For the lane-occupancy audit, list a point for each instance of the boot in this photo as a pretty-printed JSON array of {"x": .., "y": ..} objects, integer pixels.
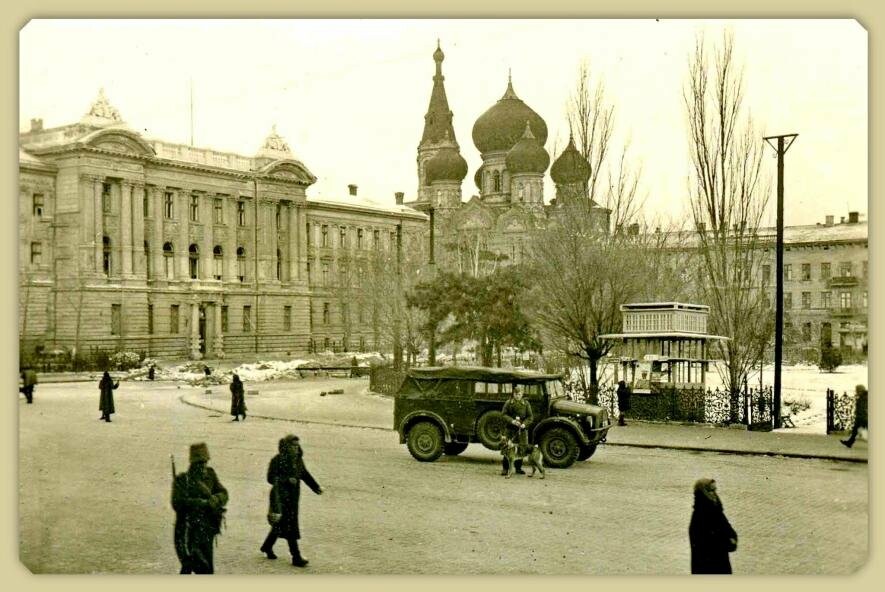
[
  {"x": 847, "y": 443},
  {"x": 297, "y": 559},
  {"x": 518, "y": 465}
]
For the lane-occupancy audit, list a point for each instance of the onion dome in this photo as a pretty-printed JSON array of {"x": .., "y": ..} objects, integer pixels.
[
  {"x": 446, "y": 165},
  {"x": 502, "y": 125},
  {"x": 477, "y": 178},
  {"x": 571, "y": 166},
  {"x": 528, "y": 156}
]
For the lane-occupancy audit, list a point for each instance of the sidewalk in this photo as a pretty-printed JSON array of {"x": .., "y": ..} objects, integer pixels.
[{"x": 357, "y": 407}]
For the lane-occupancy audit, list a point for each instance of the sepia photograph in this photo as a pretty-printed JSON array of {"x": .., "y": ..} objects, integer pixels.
[{"x": 443, "y": 296}]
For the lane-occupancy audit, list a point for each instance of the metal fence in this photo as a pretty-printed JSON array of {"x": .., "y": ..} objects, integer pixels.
[{"x": 840, "y": 411}]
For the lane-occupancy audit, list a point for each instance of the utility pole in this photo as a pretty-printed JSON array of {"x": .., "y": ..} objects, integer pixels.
[
  {"x": 781, "y": 148},
  {"x": 397, "y": 336}
]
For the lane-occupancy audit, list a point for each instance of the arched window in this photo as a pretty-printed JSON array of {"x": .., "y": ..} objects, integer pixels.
[
  {"x": 193, "y": 256},
  {"x": 106, "y": 255},
  {"x": 241, "y": 264},
  {"x": 147, "y": 259},
  {"x": 217, "y": 261},
  {"x": 497, "y": 182},
  {"x": 279, "y": 264},
  {"x": 168, "y": 261}
]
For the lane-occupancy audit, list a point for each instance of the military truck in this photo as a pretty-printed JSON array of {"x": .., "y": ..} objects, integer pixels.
[{"x": 440, "y": 410}]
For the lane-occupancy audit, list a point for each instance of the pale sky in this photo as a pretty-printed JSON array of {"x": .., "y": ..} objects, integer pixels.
[{"x": 350, "y": 96}]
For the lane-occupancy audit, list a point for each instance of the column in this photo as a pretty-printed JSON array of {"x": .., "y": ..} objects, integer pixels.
[
  {"x": 207, "y": 244},
  {"x": 139, "y": 192},
  {"x": 86, "y": 260},
  {"x": 230, "y": 246},
  {"x": 219, "y": 336},
  {"x": 195, "y": 331},
  {"x": 98, "y": 223},
  {"x": 126, "y": 227},
  {"x": 158, "y": 196},
  {"x": 293, "y": 235},
  {"x": 181, "y": 249},
  {"x": 264, "y": 246}
]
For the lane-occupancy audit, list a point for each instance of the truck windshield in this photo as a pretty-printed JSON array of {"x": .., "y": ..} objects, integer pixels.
[{"x": 554, "y": 389}]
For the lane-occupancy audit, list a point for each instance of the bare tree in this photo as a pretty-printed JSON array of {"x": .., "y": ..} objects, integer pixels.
[{"x": 728, "y": 196}]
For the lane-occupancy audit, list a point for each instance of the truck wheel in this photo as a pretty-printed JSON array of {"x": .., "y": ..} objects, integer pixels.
[
  {"x": 587, "y": 452},
  {"x": 489, "y": 429},
  {"x": 425, "y": 441},
  {"x": 454, "y": 448},
  {"x": 559, "y": 447}
]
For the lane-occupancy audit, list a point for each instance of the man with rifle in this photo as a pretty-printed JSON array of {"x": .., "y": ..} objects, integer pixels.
[{"x": 198, "y": 498}]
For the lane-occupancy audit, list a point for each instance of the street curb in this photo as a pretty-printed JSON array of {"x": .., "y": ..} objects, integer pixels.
[
  {"x": 634, "y": 445},
  {"x": 744, "y": 452}
]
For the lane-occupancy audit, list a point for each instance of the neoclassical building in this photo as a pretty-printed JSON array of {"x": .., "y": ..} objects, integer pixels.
[
  {"x": 137, "y": 244},
  {"x": 510, "y": 138}
]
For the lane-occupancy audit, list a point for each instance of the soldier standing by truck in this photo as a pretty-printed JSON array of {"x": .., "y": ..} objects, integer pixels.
[{"x": 518, "y": 415}]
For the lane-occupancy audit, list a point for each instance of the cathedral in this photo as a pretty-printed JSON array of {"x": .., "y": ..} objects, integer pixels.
[{"x": 493, "y": 224}]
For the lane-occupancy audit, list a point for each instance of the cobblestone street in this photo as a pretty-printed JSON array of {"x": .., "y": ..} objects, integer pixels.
[{"x": 625, "y": 511}]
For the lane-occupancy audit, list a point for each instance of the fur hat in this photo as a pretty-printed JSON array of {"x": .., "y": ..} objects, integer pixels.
[{"x": 199, "y": 452}]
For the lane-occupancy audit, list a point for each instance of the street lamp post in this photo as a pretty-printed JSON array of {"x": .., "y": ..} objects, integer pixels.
[{"x": 781, "y": 148}]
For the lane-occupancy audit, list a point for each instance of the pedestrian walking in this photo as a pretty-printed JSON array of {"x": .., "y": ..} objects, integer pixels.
[
  {"x": 711, "y": 536},
  {"x": 518, "y": 415},
  {"x": 106, "y": 401},
  {"x": 237, "y": 399},
  {"x": 285, "y": 474},
  {"x": 860, "y": 414},
  {"x": 199, "y": 501},
  {"x": 623, "y": 402},
  {"x": 29, "y": 383},
  {"x": 151, "y": 372}
]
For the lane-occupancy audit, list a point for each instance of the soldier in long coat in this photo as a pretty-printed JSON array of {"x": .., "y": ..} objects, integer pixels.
[
  {"x": 198, "y": 498},
  {"x": 285, "y": 473},
  {"x": 237, "y": 399},
  {"x": 518, "y": 416},
  {"x": 106, "y": 401},
  {"x": 710, "y": 535}
]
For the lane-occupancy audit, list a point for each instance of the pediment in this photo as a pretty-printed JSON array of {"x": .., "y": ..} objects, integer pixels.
[
  {"x": 290, "y": 171},
  {"x": 119, "y": 140}
]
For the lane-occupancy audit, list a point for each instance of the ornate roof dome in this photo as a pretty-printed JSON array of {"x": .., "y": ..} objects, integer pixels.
[
  {"x": 502, "y": 125},
  {"x": 571, "y": 166},
  {"x": 446, "y": 165},
  {"x": 528, "y": 156},
  {"x": 477, "y": 178}
]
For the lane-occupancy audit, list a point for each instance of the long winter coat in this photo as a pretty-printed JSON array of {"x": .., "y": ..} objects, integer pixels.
[
  {"x": 710, "y": 536},
  {"x": 198, "y": 498},
  {"x": 860, "y": 409},
  {"x": 284, "y": 495},
  {"x": 106, "y": 401},
  {"x": 237, "y": 398},
  {"x": 623, "y": 398},
  {"x": 523, "y": 410}
]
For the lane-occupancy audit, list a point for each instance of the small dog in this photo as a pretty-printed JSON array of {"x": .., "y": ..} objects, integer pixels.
[{"x": 510, "y": 451}]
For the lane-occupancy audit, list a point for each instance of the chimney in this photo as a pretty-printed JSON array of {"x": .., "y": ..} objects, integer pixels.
[
  {"x": 352, "y": 189},
  {"x": 853, "y": 217},
  {"x": 399, "y": 197},
  {"x": 829, "y": 220},
  {"x": 36, "y": 125}
]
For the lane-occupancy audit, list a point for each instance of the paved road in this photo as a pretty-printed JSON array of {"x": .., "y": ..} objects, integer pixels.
[{"x": 94, "y": 497}]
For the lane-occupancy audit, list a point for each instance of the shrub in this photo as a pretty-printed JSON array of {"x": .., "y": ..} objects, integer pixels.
[
  {"x": 797, "y": 406},
  {"x": 125, "y": 360},
  {"x": 830, "y": 359}
]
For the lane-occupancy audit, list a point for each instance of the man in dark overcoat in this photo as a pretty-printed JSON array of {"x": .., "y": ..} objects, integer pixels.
[
  {"x": 518, "y": 416},
  {"x": 237, "y": 399},
  {"x": 860, "y": 414},
  {"x": 29, "y": 382},
  {"x": 198, "y": 498},
  {"x": 285, "y": 473},
  {"x": 106, "y": 401},
  {"x": 709, "y": 533},
  {"x": 623, "y": 393}
]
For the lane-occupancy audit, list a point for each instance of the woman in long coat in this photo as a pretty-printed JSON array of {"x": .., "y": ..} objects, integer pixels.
[
  {"x": 106, "y": 401},
  {"x": 711, "y": 536},
  {"x": 237, "y": 399},
  {"x": 286, "y": 472}
]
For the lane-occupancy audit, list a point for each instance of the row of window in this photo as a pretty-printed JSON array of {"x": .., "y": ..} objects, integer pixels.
[
  {"x": 174, "y": 319},
  {"x": 826, "y": 300},
  {"x": 325, "y": 237},
  {"x": 846, "y": 269},
  {"x": 345, "y": 313}
]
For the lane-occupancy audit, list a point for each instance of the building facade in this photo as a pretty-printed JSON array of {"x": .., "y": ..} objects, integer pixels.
[{"x": 129, "y": 243}]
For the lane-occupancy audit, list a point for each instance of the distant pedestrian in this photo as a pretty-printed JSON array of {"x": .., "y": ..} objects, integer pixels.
[
  {"x": 237, "y": 399},
  {"x": 29, "y": 383},
  {"x": 106, "y": 401},
  {"x": 860, "y": 414},
  {"x": 207, "y": 371},
  {"x": 285, "y": 473},
  {"x": 199, "y": 500},
  {"x": 711, "y": 536},
  {"x": 151, "y": 372},
  {"x": 623, "y": 402}
]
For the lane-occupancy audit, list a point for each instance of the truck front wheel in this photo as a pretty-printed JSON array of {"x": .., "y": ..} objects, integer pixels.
[
  {"x": 425, "y": 441},
  {"x": 559, "y": 447}
]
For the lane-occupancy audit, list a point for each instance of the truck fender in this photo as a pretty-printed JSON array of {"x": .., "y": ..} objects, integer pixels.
[
  {"x": 570, "y": 424},
  {"x": 418, "y": 415}
]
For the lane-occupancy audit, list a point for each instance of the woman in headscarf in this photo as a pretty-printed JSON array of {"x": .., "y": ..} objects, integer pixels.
[
  {"x": 711, "y": 536},
  {"x": 285, "y": 473},
  {"x": 106, "y": 401},
  {"x": 237, "y": 399}
]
